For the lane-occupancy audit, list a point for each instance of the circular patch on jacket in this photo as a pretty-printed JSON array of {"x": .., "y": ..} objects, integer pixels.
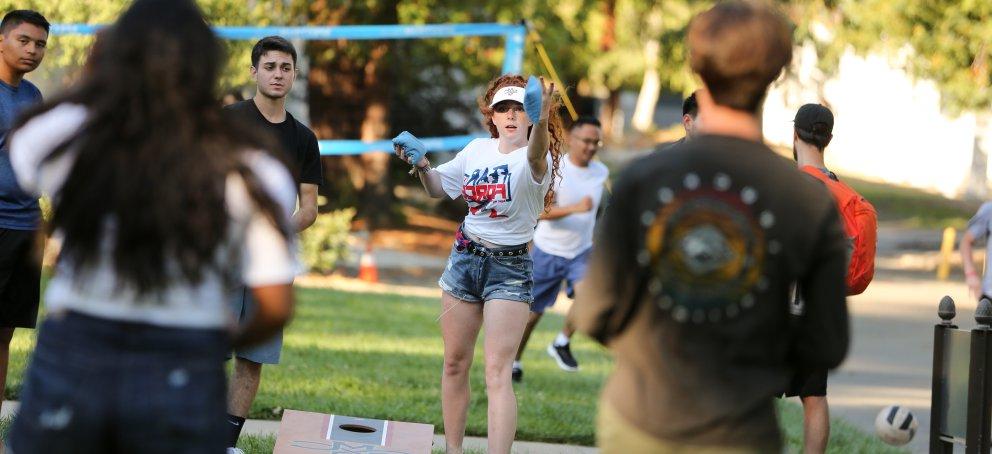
[{"x": 705, "y": 248}]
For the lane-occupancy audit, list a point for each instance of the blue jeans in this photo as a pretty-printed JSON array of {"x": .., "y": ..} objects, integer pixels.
[{"x": 102, "y": 386}]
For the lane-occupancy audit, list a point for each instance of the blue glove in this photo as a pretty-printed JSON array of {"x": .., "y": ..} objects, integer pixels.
[
  {"x": 413, "y": 148},
  {"x": 532, "y": 99}
]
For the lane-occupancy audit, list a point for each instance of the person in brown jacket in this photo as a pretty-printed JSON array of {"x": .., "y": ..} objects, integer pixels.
[{"x": 689, "y": 282}]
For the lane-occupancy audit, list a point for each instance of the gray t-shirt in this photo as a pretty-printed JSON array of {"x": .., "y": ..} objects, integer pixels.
[{"x": 979, "y": 227}]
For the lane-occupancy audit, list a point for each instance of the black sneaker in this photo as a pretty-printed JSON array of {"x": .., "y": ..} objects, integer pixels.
[
  {"x": 518, "y": 374},
  {"x": 563, "y": 356}
]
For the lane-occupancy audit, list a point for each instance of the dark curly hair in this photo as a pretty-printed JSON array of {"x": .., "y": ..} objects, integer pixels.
[
  {"x": 155, "y": 151},
  {"x": 555, "y": 126}
]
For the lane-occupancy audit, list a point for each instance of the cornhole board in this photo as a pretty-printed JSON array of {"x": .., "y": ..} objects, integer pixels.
[{"x": 304, "y": 432}]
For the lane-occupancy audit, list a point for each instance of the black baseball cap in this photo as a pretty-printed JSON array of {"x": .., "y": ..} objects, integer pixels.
[{"x": 814, "y": 124}]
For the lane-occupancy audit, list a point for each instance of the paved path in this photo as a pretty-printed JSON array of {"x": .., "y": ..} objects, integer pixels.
[
  {"x": 891, "y": 356},
  {"x": 892, "y": 332}
]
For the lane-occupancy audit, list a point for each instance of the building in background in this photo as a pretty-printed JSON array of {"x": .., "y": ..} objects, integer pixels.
[{"x": 884, "y": 116}]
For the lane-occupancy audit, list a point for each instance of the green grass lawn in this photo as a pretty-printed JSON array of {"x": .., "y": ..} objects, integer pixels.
[{"x": 379, "y": 356}]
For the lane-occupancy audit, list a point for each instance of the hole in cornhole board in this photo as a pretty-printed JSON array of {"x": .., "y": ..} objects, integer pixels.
[{"x": 357, "y": 428}]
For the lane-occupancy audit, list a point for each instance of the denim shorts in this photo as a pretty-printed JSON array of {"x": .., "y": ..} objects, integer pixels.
[
  {"x": 478, "y": 278},
  {"x": 102, "y": 386}
]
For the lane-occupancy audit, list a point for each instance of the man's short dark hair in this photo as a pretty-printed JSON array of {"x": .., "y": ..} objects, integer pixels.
[
  {"x": 269, "y": 43},
  {"x": 818, "y": 136},
  {"x": 585, "y": 120},
  {"x": 690, "y": 107},
  {"x": 19, "y": 16},
  {"x": 738, "y": 48}
]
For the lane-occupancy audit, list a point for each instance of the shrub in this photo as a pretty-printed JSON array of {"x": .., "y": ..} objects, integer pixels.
[{"x": 325, "y": 243}]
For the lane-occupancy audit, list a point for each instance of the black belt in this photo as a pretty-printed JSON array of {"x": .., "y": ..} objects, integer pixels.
[{"x": 484, "y": 252}]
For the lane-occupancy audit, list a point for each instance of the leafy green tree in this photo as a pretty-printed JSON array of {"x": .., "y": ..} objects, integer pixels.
[
  {"x": 66, "y": 54},
  {"x": 951, "y": 40},
  {"x": 373, "y": 89},
  {"x": 944, "y": 41}
]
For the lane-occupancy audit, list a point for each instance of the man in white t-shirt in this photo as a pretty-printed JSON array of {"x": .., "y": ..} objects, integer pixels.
[{"x": 564, "y": 236}]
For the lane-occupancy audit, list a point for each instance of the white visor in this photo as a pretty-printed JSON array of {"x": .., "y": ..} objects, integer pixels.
[{"x": 511, "y": 93}]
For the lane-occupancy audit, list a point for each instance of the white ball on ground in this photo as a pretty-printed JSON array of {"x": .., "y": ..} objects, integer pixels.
[{"x": 896, "y": 425}]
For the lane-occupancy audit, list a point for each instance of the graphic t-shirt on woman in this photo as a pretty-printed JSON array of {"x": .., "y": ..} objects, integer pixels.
[{"x": 504, "y": 199}]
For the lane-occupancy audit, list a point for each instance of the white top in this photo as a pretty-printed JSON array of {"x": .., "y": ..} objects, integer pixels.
[
  {"x": 504, "y": 200},
  {"x": 253, "y": 245},
  {"x": 571, "y": 235}
]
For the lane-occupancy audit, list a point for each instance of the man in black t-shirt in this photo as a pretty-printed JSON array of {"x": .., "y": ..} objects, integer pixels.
[{"x": 273, "y": 61}]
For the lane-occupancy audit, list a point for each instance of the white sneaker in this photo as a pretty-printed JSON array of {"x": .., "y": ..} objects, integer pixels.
[{"x": 235, "y": 451}]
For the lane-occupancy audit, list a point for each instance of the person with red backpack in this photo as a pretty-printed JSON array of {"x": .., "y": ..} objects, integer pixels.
[{"x": 813, "y": 130}]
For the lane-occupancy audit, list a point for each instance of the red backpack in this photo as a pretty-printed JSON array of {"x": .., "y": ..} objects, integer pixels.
[{"x": 861, "y": 227}]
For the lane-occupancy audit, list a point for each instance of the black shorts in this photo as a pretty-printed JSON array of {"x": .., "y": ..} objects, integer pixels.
[
  {"x": 806, "y": 383},
  {"x": 20, "y": 279}
]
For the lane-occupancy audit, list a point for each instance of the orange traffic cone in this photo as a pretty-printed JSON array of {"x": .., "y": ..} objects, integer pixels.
[{"x": 367, "y": 270}]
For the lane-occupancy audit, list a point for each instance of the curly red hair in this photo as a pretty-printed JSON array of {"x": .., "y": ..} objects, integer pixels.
[{"x": 555, "y": 126}]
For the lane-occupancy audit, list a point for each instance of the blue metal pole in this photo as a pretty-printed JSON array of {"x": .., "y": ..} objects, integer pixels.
[{"x": 514, "y": 57}]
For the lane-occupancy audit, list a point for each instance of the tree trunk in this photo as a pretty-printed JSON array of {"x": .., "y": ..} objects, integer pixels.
[
  {"x": 608, "y": 116},
  {"x": 609, "y": 39},
  {"x": 606, "y": 44},
  {"x": 349, "y": 99},
  {"x": 647, "y": 98},
  {"x": 376, "y": 195}
]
